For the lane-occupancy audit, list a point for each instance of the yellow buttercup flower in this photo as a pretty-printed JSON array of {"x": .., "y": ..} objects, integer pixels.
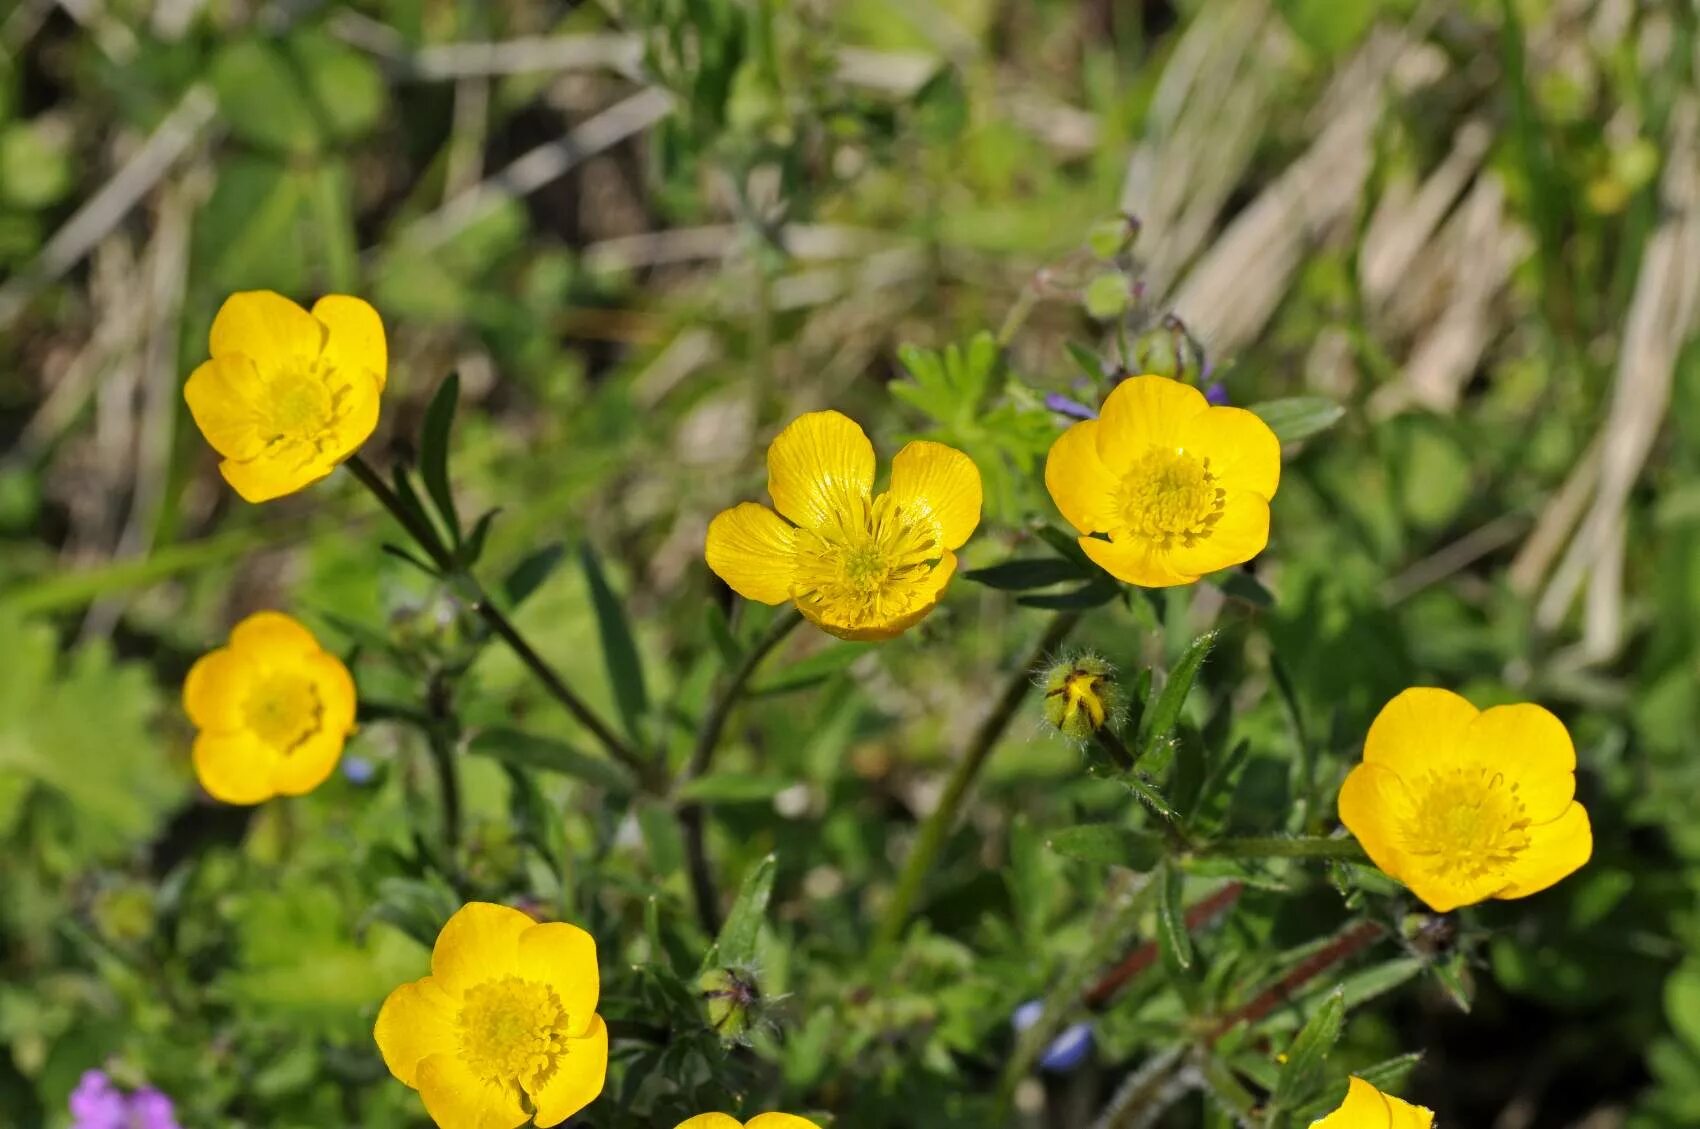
[
  {"x": 761, "y": 1121},
  {"x": 858, "y": 566},
  {"x": 273, "y": 709},
  {"x": 504, "y": 1031},
  {"x": 1366, "y": 1107},
  {"x": 288, "y": 395},
  {"x": 1462, "y": 804},
  {"x": 1179, "y": 487}
]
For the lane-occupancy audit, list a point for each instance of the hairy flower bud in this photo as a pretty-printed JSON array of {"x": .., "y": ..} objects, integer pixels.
[
  {"x": 1081, "y": 696},
  {"x": 733, "y": 1001}
]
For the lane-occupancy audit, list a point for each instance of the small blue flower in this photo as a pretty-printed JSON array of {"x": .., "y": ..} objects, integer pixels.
[
  {"x": 358, "y": 769},
  {"x": 1216, "y": 393},
  {"x": 1062, "y": 405},
  {"x": 1065, "y": 1052}
]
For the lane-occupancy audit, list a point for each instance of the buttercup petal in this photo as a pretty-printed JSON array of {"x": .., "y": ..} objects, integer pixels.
[
  {"x": 1079, "y": 483},
  {"x": 266, "y": 327},
  {"x": 359, "y": 420},
  {"x": 930, "y": 594},
  {"x": 710, "y": 1121},
  {"x": 480, "y": 942},
  {"x": 1421, "y": 728},
  {"x": 416, "y": 1021},
  {"x": 1445, "y": 891},
  {"x": 1136, "y": 561},
  {"x": 819, "y": 460},
  {"x": 1366, "y": 1107},
  {"x": 1243, "y": 452},
  {"x": 779, "y": 1121},
  {"x": 235, "y": 768},
  {"x": 941, "y": 482},
  {"x": 1144, "y": 412},
  {"x": 309, "y": 764},
  {"x": 1557, "y": 849},
  {"x": 1372, "y": 803},
  {"x": 1240, "y": 533},
  {"x": 577, "y": 1080},
  {"x": 214, "y": 690},
  {"x": 1532, "y": 748},
  {"x": 274, "y": 636},
  {"x": 563, "y": 956},
  {"x": 751, "y": 548},
  {"x": 264, "y": 479},
  {"x": 335, "y": 687},
  {"x": 220, "y": 394},
  {"x": 354, "y": 336},
  {"x": 456, "y": 1098}
]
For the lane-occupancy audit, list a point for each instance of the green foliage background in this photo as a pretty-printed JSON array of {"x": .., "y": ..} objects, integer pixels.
[{"x": 645, "y": 234}]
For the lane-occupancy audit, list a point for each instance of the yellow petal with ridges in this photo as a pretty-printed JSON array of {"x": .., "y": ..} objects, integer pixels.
[
  {"x": 815, "y": 464},
  {"x": 1136, "y": 561},
  {"x": 456, "y": 1098},
  {"x": 1373, "y": 803},
  {"x": 354, "y": 336},
  {"x": 928, "y": 594},
  {"x": 1556, "y": 849},
  {"x": 1243, "y": 452},
  {"x": 941, "y": 483},
  {"x": 214, "y": 690},
  {"x": 1532, "y": 748},
  {"x": 1421, "y": 728},
  {"x": 578, "y": 1078},
  {"x": 221, "y": 393},
  {"x": 335, "y": 688},
  {"x": 266, "y": 327},
  {"x": 1366, "y": 1107},
  {"x": 1079, "y": 483},
  {"x": 480, "y": 942},
  {"x": 751, "y": 548},
  {"x": 563, "y": 956},
  {"x": 416, "y": 1022},
  {"x": 265, "y": 479},
  {"x": 1144, "y": 412},
  {"x": 1239, "y": 533},
  {"x": 308, "y": 764},
  {"x": 360, "y": 394},
  {"x": 779, "y": 1121},
  {"x": 273, "y": 635},
  {"x": 235, "y": 768}
]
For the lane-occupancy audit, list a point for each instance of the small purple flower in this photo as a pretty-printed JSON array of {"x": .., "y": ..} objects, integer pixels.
[
  {"x": 1065, "y": 1052},
  {"x": 1062, "y": 405},
  {"x": 358, "y": 769},
  {"x": 1216, "y": 393},
  {"x": 97, "y": 1104}
]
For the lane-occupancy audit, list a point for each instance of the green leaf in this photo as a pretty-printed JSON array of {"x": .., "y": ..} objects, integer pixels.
[
  {"x": 1089, "y": 363},
  {"x": 1173, "y": 939},
  {"x": 434, "y": 452},
  {"x": 720, "y": 634},
  {"x": 815, "y": 669},
  {"x": 1067, "y": 545},
  {"x": 1108, "y": 843},
  {"x": 1160, "y": 721},
  {"x": 529, "y": 574},
  {"x": 1453, "y": 975},
  {"x": 1303, "y": 1068},
  {"x": 417, "y": 907},
  {"x": 513, "y": 746},
  {"x": 260, "y": 95},
  {"x": 732, "y": 788},
  {"x": 1021, "y": 575},
  {"x": 1093, "y": 594},
  {"x": 1149, "y": 795},
  {"x": 619, "y": 649},
  {"x": 736, "y": 946},
  {"x": 409, "y": 499},
  {"x": 472, "y": 549},
  {"x": 1298, "y": 417},
  {"x": 347, "y": 88}
]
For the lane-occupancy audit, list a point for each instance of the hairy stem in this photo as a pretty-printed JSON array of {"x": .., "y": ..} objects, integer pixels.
[
  {"x": 943, "y": 817},
  {"x": 427, "y": 539},
  {"x": 692, "y": 818}
]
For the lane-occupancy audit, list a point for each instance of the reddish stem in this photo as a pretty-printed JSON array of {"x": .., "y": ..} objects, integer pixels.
[
  {"x": 1344, "y": 946},
  {"x": 1197, "y": 916}
]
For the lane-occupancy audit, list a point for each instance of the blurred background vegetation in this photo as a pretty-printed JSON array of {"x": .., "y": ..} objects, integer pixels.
[{"x": 647, "y": 232}]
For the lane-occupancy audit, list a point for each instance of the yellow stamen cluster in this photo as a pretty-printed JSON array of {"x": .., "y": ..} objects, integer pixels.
[{"x": 513, "y": 1032}]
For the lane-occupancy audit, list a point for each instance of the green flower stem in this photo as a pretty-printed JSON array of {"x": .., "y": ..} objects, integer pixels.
[
  {"x": 1281, "y": 846},
  {"x": 691, "y": 815},
  {"x": 499, "y": 623},
  {"x": 943, "y": 817}
]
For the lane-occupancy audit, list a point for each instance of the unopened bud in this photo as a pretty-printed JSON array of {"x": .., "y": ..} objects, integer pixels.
[
  {"x": 1081, "y": 696},
  {"x": 1108, "y": 296},
  {"x": 732, "y": 1001},
  {"x": 1112, "y": 237},
  {"x": 1167, "y": 349}
]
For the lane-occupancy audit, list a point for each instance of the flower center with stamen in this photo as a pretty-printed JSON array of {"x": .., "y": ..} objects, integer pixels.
[
  {"x": 1170, "y": 497},
  {"x": 1468, "y": 823},
  {"x": 513, "y": 1032},
  {"x": 869, "y": 563},
  {"x": 282, "y": 709},
  {"x": 301, "y": 408}
]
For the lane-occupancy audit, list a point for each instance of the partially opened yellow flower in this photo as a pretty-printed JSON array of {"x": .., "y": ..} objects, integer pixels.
[
  {"x": 288, "y": 394},
  {"x": 761, "y": 1121},
  {"x": 1179, "y": 487},
  {"x": 273, "y": 709},
  {"x": 1462, "y": 804},
  {"x": 504, "y": 1031},
  {"x": 858, "y": 566},
  {"x": 1366, "y": 1107}
]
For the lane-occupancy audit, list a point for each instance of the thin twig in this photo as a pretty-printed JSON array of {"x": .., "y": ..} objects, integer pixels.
[
  {"x": 943, "y": 817},
  {"x": 691, "y": 815}
]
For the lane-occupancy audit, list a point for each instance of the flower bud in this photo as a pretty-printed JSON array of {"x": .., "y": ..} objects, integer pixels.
[
  {"x": 1167, "y": 349},
  {"x": 732, "y": 1000},
  {"x": 1112, "y": 237},
  {"x": 1081, "y": 696}
]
